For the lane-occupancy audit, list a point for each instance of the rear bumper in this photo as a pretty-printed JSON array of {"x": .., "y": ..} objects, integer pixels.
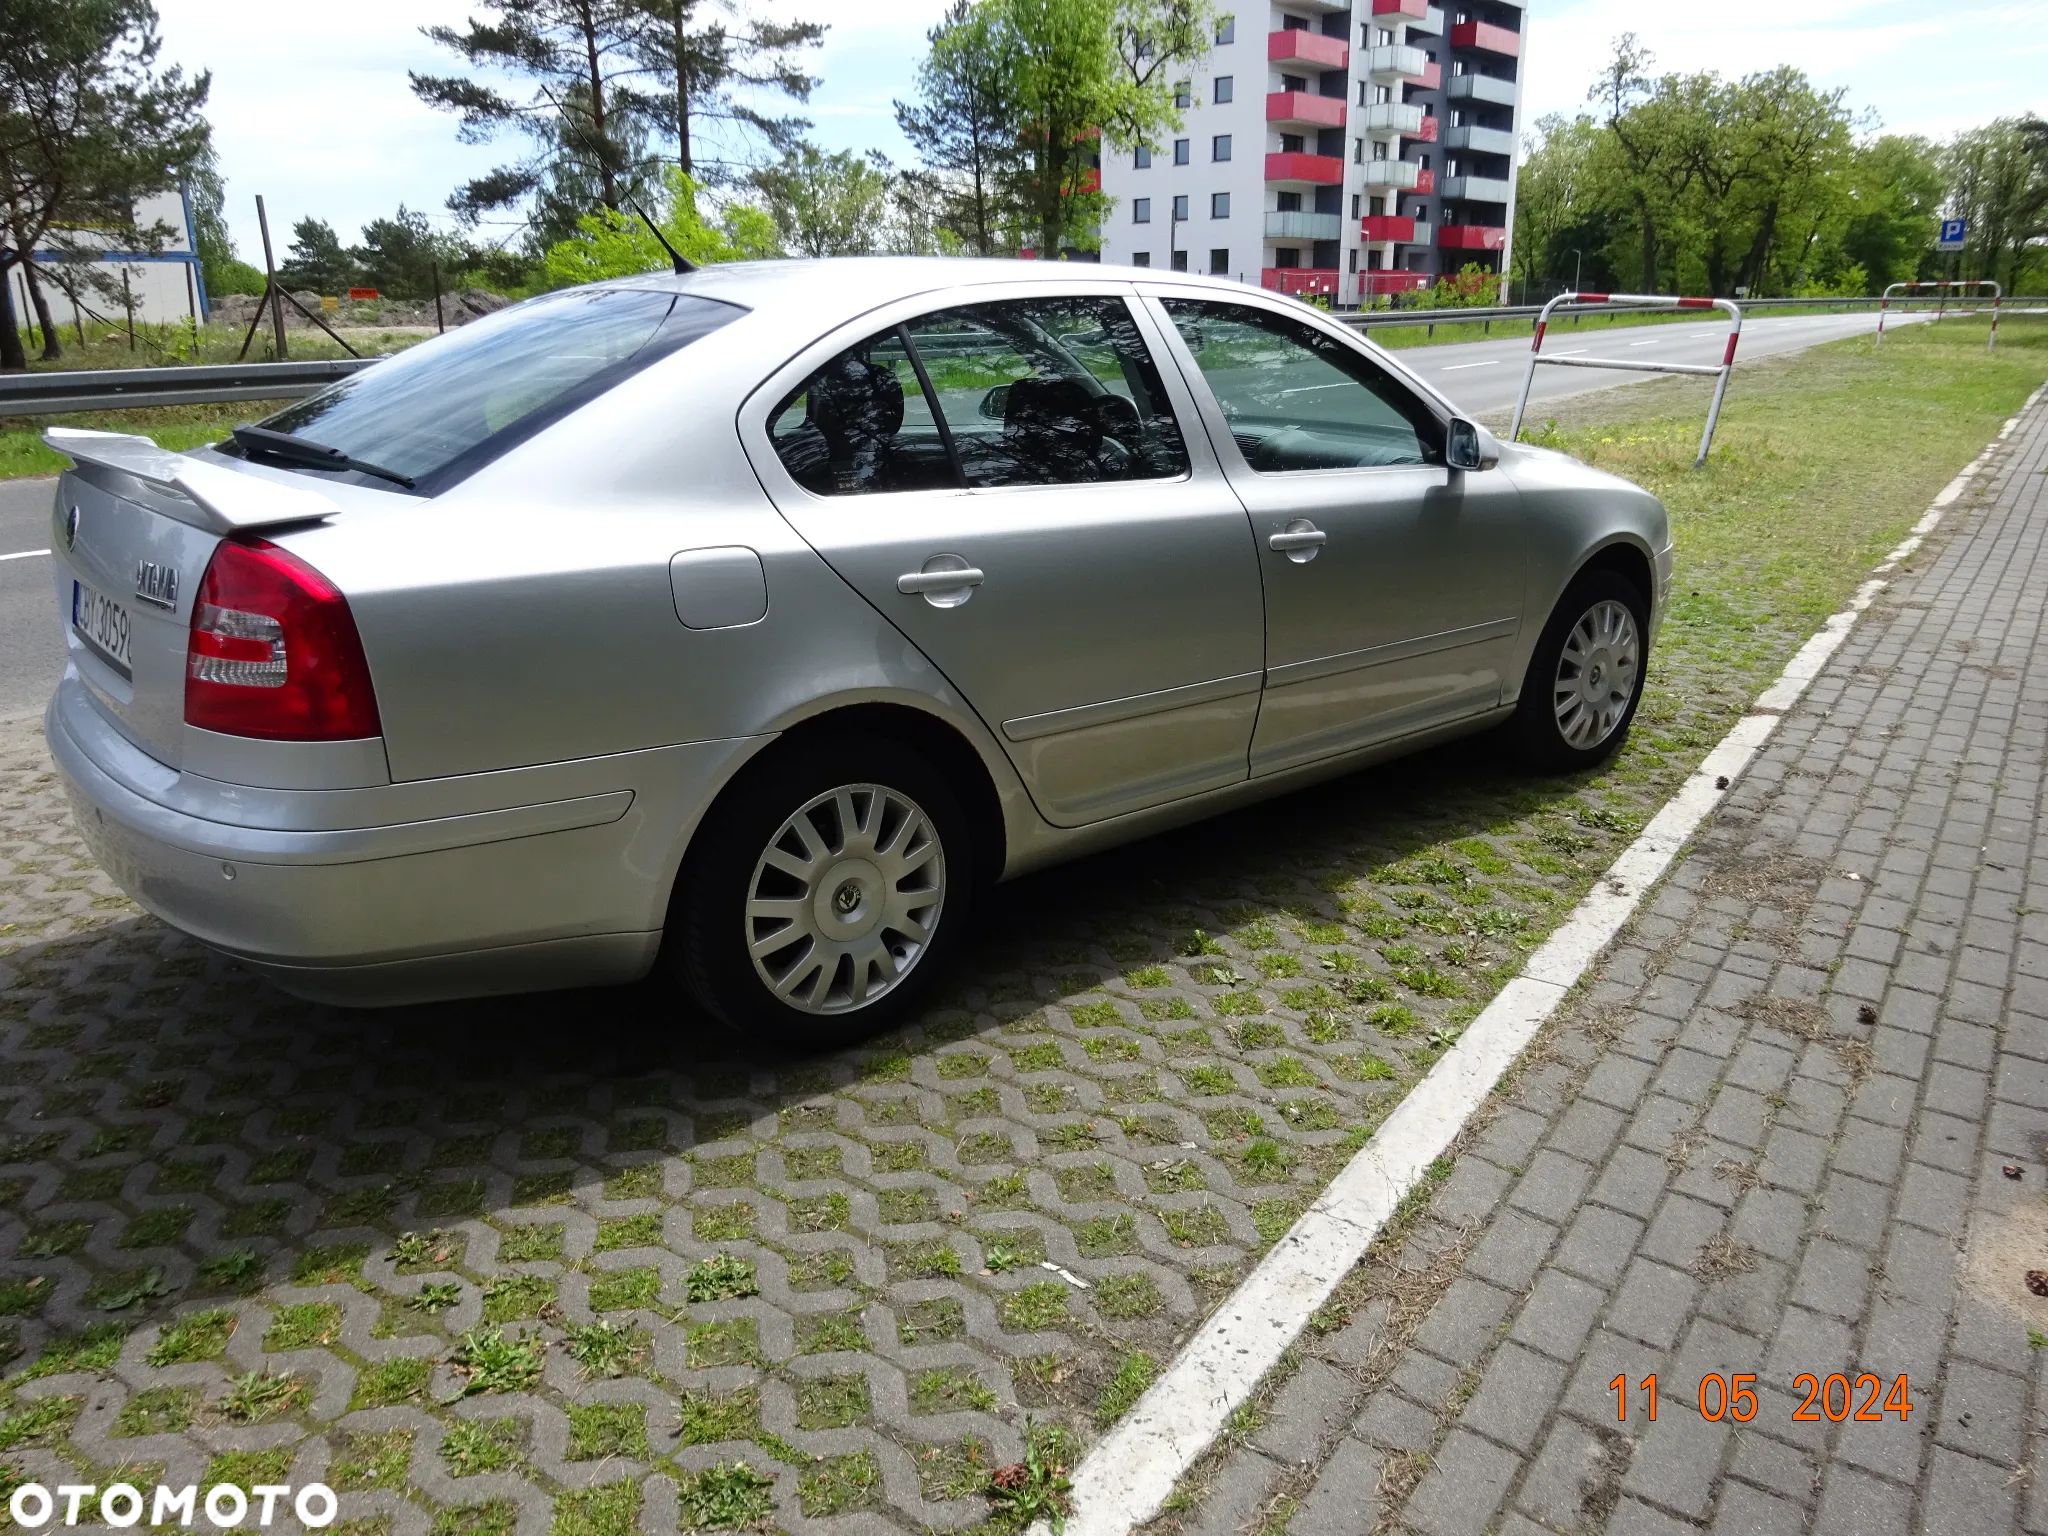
[{"x": 530, "y": 879}]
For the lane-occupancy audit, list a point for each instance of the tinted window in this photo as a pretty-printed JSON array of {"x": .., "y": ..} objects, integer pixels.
[
  {"x": 1298, "y": 399},
  {"x": 449, "y": 406},
  {"x": 1033, "y": 392}
]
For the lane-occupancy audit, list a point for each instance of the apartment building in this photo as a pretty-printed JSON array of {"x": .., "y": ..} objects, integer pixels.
[{"x": 1348, "y": 148}]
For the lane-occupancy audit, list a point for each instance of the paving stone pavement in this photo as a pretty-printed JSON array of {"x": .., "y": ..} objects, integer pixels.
[{"x": 1769, "y": 1139}]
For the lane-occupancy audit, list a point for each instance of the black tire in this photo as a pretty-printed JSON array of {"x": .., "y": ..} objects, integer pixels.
[
  {"x": 709, "y": 927},
  {"x": 1539, "y": 739}
]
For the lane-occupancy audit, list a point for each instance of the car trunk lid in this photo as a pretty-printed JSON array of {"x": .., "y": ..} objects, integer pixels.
[{"x": 134, "y": 528}]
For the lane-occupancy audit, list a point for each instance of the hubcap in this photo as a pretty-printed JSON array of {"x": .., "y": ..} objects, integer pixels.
[
  {"x": 1596, "y": 674},
  {"x": 845, "y": 899}
]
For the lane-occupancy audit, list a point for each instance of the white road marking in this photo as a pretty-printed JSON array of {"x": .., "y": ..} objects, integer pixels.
[
  {"x": 1454, "y": 367},
  {"x": 1575, "y": 352},
  {"x": 25, "y": 554},
  {"x": 1132, "y": 1470},
  {"x": 1652, "y": 341}
]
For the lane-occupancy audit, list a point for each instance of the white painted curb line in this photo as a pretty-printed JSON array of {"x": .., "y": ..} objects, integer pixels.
[{"x": 1132, "y": 1470}]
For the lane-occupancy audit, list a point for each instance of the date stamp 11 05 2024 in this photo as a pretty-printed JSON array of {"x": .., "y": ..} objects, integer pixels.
[{"x": 1833, "y": 1398}]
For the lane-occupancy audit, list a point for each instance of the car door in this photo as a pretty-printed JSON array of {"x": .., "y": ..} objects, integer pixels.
[
  {"x": 1017, "y": 485},
  {"x": 1393, "y": 583}
]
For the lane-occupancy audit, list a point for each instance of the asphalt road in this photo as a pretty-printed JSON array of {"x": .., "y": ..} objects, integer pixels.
[{"x": 1482, "y": 377}]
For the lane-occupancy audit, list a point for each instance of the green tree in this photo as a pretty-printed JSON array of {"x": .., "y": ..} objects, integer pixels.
[
  {"x": 316, "y": 259},
  {"x": 825, "y": 204},
  {"x": 964, "y": 127},
  {"x": 1087, "y": 67},
  {"x": 89, "y": 123},
  {"x": 610, "y": 244},
  {"x": 1563, "y": 205},
  {"x": 570, "y": 184},
  {"x": 1895, "y": 189},
  {"x": 397, "y": 255},
  {"x": 1998, "y": 180},
  {"x": 707, "y": 65},
  {"x": 223, "y": 271},
  {"x": 550, "y": 48}
]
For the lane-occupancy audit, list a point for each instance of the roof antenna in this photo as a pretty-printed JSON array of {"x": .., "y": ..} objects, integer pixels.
[{"x": 682, "y": 263}]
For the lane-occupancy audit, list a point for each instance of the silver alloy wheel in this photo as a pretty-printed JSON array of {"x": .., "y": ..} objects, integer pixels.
[
  {"x": 845, "y": 899},
  {"x": 1596, "y": 674}
]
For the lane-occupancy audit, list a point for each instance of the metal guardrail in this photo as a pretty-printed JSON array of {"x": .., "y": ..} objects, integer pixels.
[
  {"x": 106, "y": 389},
  {"x": 109, "y": 389},
  {"x": 1368, "y": 319}
]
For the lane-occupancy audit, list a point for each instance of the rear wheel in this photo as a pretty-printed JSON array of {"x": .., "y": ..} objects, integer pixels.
[
  {"x": 826, "y": 893},
  {"x": 1586, "y": 676}
]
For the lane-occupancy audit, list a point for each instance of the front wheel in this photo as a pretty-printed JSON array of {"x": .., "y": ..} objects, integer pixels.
[
  {"x": 1586, "y": 676},
  {"x": 826, "y": 893}
]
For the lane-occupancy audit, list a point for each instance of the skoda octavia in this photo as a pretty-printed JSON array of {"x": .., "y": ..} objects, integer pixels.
[{"x": 744, "y": 624}]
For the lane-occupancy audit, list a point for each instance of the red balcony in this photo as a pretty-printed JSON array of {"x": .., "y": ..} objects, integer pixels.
[
  {"x": 1387, "y": 226},
  {"x": 1472, "y": 237},
  {"x": 1305, "y": 108},
  {"x": 1314, "y": 170},
  {"x": 1387, "y": 12},
  {"x": 1425, "y": 182},
  {"x": 1391, "y": 282},
  {"x": 1298, "y": 45},
  {"x": 1302, "y": 282},
  {"x": 1431, "y": 77},
  {"x": 1484, "y": 34},
  {"x": 1426, "y": 134},
  {"x": 1089, "y": 180}
]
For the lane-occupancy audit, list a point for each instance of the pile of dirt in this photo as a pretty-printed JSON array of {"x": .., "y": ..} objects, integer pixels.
[{"x": 457, "y": 308}]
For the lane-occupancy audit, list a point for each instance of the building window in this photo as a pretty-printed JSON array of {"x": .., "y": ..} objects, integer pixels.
[
  {"x": 1290, "y": 143},
  {"x": 1354, "y": 258},
  {"x": 1293, "y": 23},
  {"x": 1226, "y": 89},
  {"x": 1354, "y": 205},
  {"x": 1181, "y": 96},
  {"x": 1286, "y": 256},
  {"x": 1141, "y": 210},
  {"x": 1141, "y": 158},
  {"x": 1180, "y": 208},
  {"x": 1219, "y": 261},
  {"x": 1293, "y": 83},
  {"x": 1226, "y": 30},
  {"x": 1358, "y": 151},
  {"x": 1386, "y": 37},
  {"x": 1180, "y": 261},
  {"x": 1361, "y": 93},
  {"x": 1379, "y": 149},
  {"x": 1382, "y": 94},
  {"x": 1290, "y": 202},
  {"x": 1142, "y": 259},
  {"x": 1180, "y": 151},
  {"x": 1219, "y": 205},
  {"x": 1219, "y": 147}
]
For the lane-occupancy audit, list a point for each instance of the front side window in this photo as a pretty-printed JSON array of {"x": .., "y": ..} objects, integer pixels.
[
  {"x": 1141, "y": 210},
  {"x": 1180, "y": 151},
  {"x": 448, "y": 407},
  {"x": 1028, "y": 392},
  {"x": 1219, "y": 205},
  {"x": 1180, "y": 207},
  {"x": 1141, "y": 158},
  {"x": 1226, "y": 89},
  {"x": 1226, "y": 30},
  {"x": 1220, "y": 148},
  {"x": 1297, "y": 399}
]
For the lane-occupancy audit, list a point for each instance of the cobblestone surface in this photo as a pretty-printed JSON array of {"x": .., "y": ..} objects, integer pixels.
[
  {"x": 548, "y": 1261},
  {"x": 1795, "y": 1124}
]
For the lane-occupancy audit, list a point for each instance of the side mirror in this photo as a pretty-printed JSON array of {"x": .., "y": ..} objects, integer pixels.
[
  {"x": 1470, "y": 446},
  {"x": 995, "y": 405}
]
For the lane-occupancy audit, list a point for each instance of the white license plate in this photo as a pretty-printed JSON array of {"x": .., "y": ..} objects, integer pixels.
[{"x": 102, "y": 624}]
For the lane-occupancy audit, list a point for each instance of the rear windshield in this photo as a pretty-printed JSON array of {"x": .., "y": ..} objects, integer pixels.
[{"x": 449, "y": 406}]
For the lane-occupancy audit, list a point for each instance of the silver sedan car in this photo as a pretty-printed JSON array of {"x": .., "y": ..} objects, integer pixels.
[{"x": 745, "y": 624}]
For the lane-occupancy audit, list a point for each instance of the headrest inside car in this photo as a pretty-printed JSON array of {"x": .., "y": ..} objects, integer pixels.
[
  {"x": 852, "y": 398},
  {"x": 1050, "y": 405}
]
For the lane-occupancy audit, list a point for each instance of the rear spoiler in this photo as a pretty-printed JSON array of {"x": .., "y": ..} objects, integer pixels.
[{"x": 219, "y": 499}]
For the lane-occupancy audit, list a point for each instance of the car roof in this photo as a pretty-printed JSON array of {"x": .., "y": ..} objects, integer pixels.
[{"x": 848, "y": 285}]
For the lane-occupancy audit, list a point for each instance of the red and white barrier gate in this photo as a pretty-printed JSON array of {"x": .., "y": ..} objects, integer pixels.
[
  {"x": 1997, "y": 293},
  {"x": 1629, "y": 365}
]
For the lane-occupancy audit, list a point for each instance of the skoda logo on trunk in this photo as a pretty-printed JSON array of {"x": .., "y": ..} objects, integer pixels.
[{"x": 71, "y": 526}]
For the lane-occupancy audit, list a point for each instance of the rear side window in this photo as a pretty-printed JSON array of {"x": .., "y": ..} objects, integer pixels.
[
  {"x": 1056, "y": 391},
  {"x": 450, "y": 406}
]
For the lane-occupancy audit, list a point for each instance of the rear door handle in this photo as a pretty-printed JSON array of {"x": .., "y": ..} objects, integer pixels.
[
  {"x": 1299, "y": 541},
  {"x": 938, "y": 581}
]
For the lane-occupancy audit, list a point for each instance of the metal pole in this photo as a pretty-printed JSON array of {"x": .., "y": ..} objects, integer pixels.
[
  {"x": 439, "y": 326},
  {"x": 1535, "y": 346},
  {"x": 1996, "y": 294},
  {"x": 1720, "y": 390},
  {"x": 128, "y": 303},
  {"x": 270, "y": 276}
]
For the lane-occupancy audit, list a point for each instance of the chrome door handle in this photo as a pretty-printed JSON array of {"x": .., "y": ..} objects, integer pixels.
[
  {"x": 1299, "y": 541},
  {"x": 938, "y": 581}
]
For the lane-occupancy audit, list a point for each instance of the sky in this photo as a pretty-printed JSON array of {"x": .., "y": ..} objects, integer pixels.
[{"x": 311, "y": 108}]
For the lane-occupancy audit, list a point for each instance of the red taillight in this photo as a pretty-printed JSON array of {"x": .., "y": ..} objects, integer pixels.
[{"x": 274, "y": 651}]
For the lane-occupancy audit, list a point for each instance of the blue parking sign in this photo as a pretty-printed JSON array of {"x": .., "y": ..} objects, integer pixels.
[{"x": 1952, "y": 233}]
